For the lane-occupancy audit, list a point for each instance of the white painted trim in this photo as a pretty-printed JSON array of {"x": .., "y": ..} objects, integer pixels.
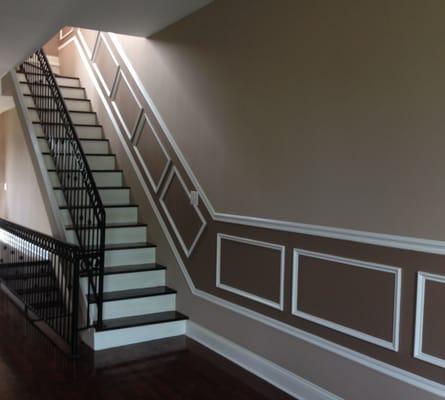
[
  {"x": 283, "y": 379},
  {"x": 389, "y": 370},
  {"x": 243, "y": 293},
  {"x": 130, "y": 131},
  {"x": 422, "y": 278},
  {"x": 155, "y": 185},
  {"x": 387, "y": 240},
  {"x": 187, "y": 250},
  {"x": 64, "y": 35},
  {"x": 89, "y": 52},
  {"x": 102, "y": 40},
  {"x": 397, "y": 272}
]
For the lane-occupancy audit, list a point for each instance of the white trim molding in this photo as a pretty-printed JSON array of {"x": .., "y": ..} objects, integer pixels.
[
  {"x": 283, "y": 379},
  {"x": 251, "y": 242},
  {"x": 386, "y": 369},
  {"x": 145, "y": 120},
  {"x": 187, "y": 250},
  {"x": 378, "y": 239},
  {"x": 64, "y": 35},
  {"x": 129, "y": 130},
  {"x": 422, "y": 278},
  {"x": 397, "y": 272},
  {"x": 90, "y": 52},
  {"x": 99, "y": 41}
]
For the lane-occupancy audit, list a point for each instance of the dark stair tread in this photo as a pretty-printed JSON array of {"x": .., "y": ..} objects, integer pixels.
[
  {"x": 110, "y": 226},
  {"x": 59, "y": 123},
  {"x": 139, "y": 320},
  {"x": 65, "y": 98},
  {"x": 82, "y": 140},
  {"x": 47, "y": 153},
  {"x": 28, "y": 276},
  {"x": 100, "y": 188},
  {"x": 92, "y": 170},
  {"x": 134, "y": 294},
  {"x": 56, "y": 75},
  {"x": 129, "y": 269},
  {"x": 105, "y": 206},
  {"x": 24, "y": 264},
  {"x": 45, "y": 84},
  {"x": 129, "y": 246},
  {"x": 126, "y": 269},
  {"x": 53, "y": 109},
  {"x": 33, "y": 290}
]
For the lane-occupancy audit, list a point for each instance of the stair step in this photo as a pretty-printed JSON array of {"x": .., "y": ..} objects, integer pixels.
[
  {"x": 126, "y": 269},
  {"x": 135, "y": 294},
  {"x": 138, "y": 320},
  {"x": 126, "y": 303},
  {"x": 60, "y": 79},
  {"x": 119, "y": 213},
  {"x": 34, "y": 290},
  {"x": 129, "y": 254},
  {"x": 116, "y": 233},
  {"x": 99, "y": 162},
  {"x": 130, "y": 277},
  {"x": 105, "y": 178},
  {"x": 71, "y": 104},
  {"x": 67, "y": 91},
  {"x": 77, "y": 117},
  {"x": 83, "y": 131},
  {"x": 107, "y": 339},
  {"x": 97, "y": 146},
  {"x": 109, "y": 195}
]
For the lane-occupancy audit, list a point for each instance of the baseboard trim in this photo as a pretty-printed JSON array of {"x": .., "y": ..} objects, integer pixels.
[{"x": 283, "y": 379}]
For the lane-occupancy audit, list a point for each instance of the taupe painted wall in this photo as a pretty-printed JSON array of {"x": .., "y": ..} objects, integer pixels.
[
  {"x": 332, "y": 372},
  {"x": 23, "y": 202},
  {"x": 318, "y": 112},
  {"x": 2, "y": 168}
]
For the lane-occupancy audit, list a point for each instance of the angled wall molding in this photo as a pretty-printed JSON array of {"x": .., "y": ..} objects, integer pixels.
[
  {"x": 422, "y": 278},
  {"x": 379, "y": 239},
  {"x": 63, "y": 35},
  {"x": 145, "y": 122},
  {"x": 122, "y": 82},
  {"x": 187, "y": 249},
  {"x": 397, "y": 272},
  {"x": 250, "y": 242},
  {"x": 386, "y": 369},
  {"x": 103, "y": 45}
]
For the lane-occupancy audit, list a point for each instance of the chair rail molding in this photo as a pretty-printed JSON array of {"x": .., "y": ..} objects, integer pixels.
[{"x": 389, "y": 370}]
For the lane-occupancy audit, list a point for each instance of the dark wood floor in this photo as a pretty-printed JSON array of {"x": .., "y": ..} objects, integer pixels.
[{"x": 32, "y": 368}]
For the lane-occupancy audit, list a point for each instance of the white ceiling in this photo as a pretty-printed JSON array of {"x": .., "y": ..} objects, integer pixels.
[{"x": 26, "y": 25}]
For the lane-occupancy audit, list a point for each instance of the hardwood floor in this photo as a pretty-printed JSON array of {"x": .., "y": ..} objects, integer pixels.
[{"x": 32, "y": 368}]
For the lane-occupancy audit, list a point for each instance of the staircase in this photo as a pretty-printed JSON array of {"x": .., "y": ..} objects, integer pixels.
[{"x": 137, "y": 305}]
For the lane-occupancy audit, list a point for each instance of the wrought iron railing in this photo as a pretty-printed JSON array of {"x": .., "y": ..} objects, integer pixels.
[
  {"x": 76, "y": 180},
  {"x": 43, "y": 273}
]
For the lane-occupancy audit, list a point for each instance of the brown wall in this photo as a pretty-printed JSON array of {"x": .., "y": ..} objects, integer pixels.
[
  {"x": 23, "y": 202},
  {"x": 365, "y": 310},
  {"x": 327, "y": 113}
]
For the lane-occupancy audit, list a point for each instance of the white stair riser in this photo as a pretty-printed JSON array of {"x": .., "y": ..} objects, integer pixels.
[
  {"x": 115, "y": 258},
  {"x": 138, "y": 334},
  {"x": 74, "y": 93},
  {"x": 77, "y": 118},
  {"x": 114, "y": 215},
  {"x": 73, "y": 105},
  {"x": 60, "y": 80},
  {"x": 129, "y": 234},
  {"x": 132, "y": 280},
  {"x": 88, "y": 146},
  {"x": 108, "y": 196},
  {"x": 101, "y": 178},
  {"x": 131, "y": 307},
  {"x": 95, "y": 162},
  {"x": 83, "y": 132}
]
